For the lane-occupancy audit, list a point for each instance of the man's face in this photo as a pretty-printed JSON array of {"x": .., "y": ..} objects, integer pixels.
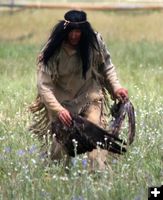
[{"x": 74, "y": 37}]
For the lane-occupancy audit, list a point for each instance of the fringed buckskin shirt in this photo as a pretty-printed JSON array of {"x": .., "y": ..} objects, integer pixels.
[{"x": 61, "y": 80}]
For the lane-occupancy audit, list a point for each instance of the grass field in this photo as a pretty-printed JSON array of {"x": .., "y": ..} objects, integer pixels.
[{"x": 135, "y": 42}]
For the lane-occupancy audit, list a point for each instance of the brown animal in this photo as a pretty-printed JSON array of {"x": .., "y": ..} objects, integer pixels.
[{"x": 84, "y": 136}]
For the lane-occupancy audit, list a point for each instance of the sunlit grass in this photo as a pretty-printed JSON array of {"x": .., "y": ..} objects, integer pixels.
[
  {"x": 29, "y": 26},
  {"x": 135, "y": 44}
]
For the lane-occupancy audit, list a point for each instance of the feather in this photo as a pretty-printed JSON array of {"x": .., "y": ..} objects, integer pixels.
[{"x": 119, "y": 112}]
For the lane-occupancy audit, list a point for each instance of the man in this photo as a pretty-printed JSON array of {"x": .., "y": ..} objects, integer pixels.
[{"x": 73, "y": 68}]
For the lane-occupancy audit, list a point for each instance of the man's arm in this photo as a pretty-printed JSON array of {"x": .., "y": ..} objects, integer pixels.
[
  {"x": 109, "y": 72},
  {"x": 45, "y": 87}
]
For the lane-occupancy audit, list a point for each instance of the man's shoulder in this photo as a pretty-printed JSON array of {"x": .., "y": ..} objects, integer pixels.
[
  {"x": 100, "y": 39},
  {"x": 98, "y": 36}
]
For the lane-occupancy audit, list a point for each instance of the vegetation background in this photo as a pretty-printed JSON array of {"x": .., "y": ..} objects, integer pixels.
[{"x": 135, "y": 40}]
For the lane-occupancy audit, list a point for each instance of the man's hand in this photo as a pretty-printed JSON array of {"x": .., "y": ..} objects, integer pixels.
[
  {"x": 65, "y": 117},
  {"x": 122, "y": 94}
]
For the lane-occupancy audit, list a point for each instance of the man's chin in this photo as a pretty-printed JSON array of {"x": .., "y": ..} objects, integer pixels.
[{"x": 74, "y": 43}]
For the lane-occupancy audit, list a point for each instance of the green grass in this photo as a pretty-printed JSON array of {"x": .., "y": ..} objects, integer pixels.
[{"x": 137, "y": 53}]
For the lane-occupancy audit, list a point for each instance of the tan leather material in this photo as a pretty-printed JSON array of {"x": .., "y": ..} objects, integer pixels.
[
  {"x": 61, "y": 80},
  {"x": 64, "y": 81}
]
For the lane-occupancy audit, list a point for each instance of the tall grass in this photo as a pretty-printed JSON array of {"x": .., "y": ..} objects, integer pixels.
[{"x": 23, "y": 174}]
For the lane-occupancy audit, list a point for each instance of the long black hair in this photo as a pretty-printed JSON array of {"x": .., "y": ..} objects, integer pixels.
[{"x": 73, "y": 19}]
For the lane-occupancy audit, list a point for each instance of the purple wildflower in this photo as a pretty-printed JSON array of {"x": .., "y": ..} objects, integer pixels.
[
  {"x": 43, "y": 155},
  {"x": 77, "y": 198},
  {"x": 21, "y": 152},
  {"x": 74, "y": 161},
  {"x": 32, "y": 149},
  {"x": 7, "y": 149},
  {"x": 137, "y": 198},
  {"x": 84, "y": 163}
]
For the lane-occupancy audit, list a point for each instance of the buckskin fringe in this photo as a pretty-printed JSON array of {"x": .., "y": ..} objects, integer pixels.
[
  {"x": 41, "y": 123},
  {"x": 37, "y": 105}
]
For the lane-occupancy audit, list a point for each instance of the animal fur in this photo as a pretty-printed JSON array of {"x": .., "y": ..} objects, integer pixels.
[{"x": 84, "y": 136}]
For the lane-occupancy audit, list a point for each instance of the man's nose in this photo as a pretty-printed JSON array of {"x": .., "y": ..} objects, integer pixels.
[{"x": 74, "y": 35}]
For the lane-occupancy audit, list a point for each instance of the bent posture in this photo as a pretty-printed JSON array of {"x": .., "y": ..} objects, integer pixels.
[{"x": 74, "y": 66}]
